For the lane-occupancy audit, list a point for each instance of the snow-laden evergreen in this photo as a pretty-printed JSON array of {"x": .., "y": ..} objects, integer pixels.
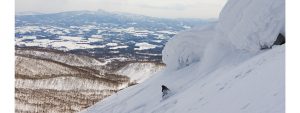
[
  {"x": 250, "y": 24},
  {"x": 244, "y": 25},
  {"x": 219, "y": 68}
]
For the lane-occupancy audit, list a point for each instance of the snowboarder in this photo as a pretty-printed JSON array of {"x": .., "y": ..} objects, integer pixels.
[{"x": 165, "y": 90}]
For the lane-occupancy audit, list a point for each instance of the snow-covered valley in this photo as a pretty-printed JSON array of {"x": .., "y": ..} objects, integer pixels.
[
  {"x": 233, "y": 66},
  {"x": 54, "y": 81}
]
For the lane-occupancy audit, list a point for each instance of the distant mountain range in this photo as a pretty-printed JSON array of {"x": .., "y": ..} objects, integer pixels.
[
  {"x": 28, "y": 13},
  {"x": 75, "y": 18}
]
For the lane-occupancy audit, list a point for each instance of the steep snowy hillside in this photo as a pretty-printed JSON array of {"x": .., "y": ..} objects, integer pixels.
[
  {"x": 255, "y": 85},
  {"x": 54, "y": 81},
  {"x": 230, "y": 67},
  {"x": 140, "y": 71},
  {"x": 58, "y": 82},
  {"x": 70, "y": 59}
]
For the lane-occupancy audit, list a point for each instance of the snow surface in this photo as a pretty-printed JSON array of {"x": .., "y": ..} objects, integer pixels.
[
  {"x": 119, "y": 47},
  {"x": 180, "y": 51},
  {"x": 144, "y": 46},
  {"x": 35, "y": 67},
  {"x": 140, "y": 71},
  {"x": 70, "y": 59},
  {"x": 66, "y": 43},
  {"x": 95, "y": 38},
  {"x": 252, "y": 86},
  {"x": 66, "y": 83},
  {"x": 256, "y": 22},
  {"x": 245, "y": 25},
  {"x": 219, "y": 68},
  {"x": 70, "y": 38},
  {"x": 112, "y": 44},
  {"x": 28, "y": 29}
]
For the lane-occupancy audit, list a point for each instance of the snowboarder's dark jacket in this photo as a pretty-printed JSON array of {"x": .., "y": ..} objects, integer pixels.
[
  {"x": 163, "y": 88},
  {"x": 164, "y": 91}
]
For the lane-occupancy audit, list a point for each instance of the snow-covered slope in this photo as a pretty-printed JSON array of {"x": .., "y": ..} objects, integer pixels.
[
  {"x": 70, "y": 59},
  {"x": 253, "y": 86},
  {"x": 35, "y": 67},
  {"x": 221, "y": 68},
  {"x": 140, "y": 71},
  {"x": 57, "y": 82}
]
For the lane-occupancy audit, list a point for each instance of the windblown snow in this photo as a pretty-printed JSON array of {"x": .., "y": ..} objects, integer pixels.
[
  {"x": 219, "y": 68},
  {"x": 139, "y": 72}
]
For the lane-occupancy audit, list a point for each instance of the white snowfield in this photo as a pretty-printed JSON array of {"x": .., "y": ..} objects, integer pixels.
[
  {"x": 255, "y": 85},
  {"x": 118, "y": 47},
  {"x": 139, "y": 72},
  {"x": 144, "y": 46},
  {"x": 218, "y": 68}
]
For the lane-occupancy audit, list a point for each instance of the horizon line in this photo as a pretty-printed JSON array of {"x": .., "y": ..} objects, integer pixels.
[{"x": 41, "y": 13}]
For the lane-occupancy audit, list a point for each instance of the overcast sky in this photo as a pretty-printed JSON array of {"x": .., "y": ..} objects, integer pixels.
[{"x": 157, "y": 8}]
